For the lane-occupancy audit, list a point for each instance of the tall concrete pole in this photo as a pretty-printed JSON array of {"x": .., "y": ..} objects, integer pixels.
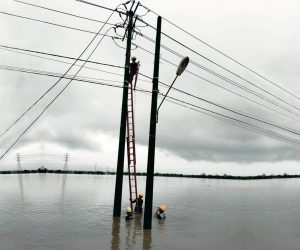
[
  {"x": 152, "y": 133},
  {"x": 122, "y": 135}
]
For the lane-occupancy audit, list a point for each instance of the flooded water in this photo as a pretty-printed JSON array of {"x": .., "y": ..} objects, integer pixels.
[{"x": 74, "y": 212}]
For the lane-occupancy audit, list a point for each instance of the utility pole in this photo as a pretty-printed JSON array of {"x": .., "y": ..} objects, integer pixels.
[
  {"x": 122, "y": 135},
  {"x": 66, "y": 162},
  {"x": 152, "y": 133},
  {"x": 19, "y": 168}
]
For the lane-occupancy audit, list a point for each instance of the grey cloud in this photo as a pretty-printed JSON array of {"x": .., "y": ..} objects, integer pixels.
[{"x": 85, "y": 110}]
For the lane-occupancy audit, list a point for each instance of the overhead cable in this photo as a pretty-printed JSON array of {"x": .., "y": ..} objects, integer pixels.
[
  {"x": 62, "y": 12},
  {"x": 99, "y": 81},
  {"x": 226, "y": 55},
  {"x": 220, "y": 86},
  {"x": 53, "y": 100},
  {"x": 227, "y": 79},
  {"x": 56, "y": 24},
  {"x": 61, "y": 56}
]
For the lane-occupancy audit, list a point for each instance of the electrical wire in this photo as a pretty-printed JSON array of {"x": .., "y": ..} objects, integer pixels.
[
  {"x": 51, "y": 59},
  {"x": 55, "y": 85},
  {"x": 90, "y": 80},
  {"x": 168, "y": 97},
  {"x": 55, "y": 24},
  {"x": 227, "y": 79},
  {"x": 61, "y": 56},
  {"x": 207, "y": 112},
  {"x": 223, "y": 118},
  {"x": 220, "y": 86},
  {"x": 58, "y": 75},
  {"x": 102, "y": 7},
  {"x": 266, "y": 132},
  {"x": 229, "y": 120},
  {"x": 62, "y": 12},
  {"x": 226, "y": 55},
  {"x": 45, "y": 93}
]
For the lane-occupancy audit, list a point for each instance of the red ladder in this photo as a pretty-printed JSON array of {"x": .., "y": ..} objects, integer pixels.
[{"x": 131, "y": 152}]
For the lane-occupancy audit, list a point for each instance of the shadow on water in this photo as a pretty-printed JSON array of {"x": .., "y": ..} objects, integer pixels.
[
  {"x": 133, "y": 236},
  {"x": 115, "y": 233},
  {"x": 133, "y": 229},
  {"x": 147, "y": 239}
]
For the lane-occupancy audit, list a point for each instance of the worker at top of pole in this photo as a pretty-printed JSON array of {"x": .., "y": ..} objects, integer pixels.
[
  {"x": 139, "y": 203},
  {"x": 133, "y": 65},
  {"x": 133, "y": 68}
]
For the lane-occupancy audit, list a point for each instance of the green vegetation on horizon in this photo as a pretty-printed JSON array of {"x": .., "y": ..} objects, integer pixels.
[{"x": 225, "y": 176}]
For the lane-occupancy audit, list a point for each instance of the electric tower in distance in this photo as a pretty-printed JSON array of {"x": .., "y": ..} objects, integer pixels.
[
  {"x": 66, "y": 159},
  {"x": 19, "y": 168}
]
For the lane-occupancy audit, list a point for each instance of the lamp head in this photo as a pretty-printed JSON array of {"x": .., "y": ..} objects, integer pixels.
[{"x": 182, "y": 65}]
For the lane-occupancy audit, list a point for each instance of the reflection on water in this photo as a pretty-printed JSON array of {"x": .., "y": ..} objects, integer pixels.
[
  {"x": 63, "y": 187},
  {"x": 202, "y": 214},
  {"x": 147, "y": 239},
  {"x": 161, "y": 225},
  {"x": 133, "y": 232},
  {"x": 21, "y": 186},
  {"x": 115, "y": 234}
]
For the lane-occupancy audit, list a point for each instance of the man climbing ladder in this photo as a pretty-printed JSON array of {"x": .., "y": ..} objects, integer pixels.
[{"x": 131, "y": 150}]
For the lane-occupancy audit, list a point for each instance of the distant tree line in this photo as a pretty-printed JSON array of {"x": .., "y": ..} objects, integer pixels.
[{"x": 225, "y": 176}]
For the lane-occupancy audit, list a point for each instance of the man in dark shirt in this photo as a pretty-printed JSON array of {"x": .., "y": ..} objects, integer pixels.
[{"x": 139, "y": 203}]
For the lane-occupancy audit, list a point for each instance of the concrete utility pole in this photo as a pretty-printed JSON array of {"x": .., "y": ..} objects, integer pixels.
[
  {"x": 122, "y": 135},
  {"x": 152, "y": 133},
  {"x": 66, "y": 162}
]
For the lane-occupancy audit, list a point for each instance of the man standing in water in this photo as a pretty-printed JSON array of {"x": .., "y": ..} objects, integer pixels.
[
  {"x": 160, "y": 212},
  {"x": 139, "y": 203},
  {"x": 129, "y": 215}
]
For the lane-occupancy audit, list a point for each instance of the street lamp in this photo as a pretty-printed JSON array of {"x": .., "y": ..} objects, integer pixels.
[{"x": 181, "y": 67}]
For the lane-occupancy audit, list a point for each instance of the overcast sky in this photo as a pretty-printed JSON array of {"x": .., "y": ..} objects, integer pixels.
[{"x": 84, "y": 121}]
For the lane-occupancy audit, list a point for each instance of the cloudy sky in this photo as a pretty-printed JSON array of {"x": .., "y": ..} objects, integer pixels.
[{"x": 84, "y": 121}]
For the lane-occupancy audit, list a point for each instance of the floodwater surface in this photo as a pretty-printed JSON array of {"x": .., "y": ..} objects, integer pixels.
[{"x": 74, "y": 212}]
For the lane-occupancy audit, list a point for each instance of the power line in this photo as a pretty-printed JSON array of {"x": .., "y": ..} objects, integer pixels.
[
  {"x": 230, "y": 109},
  {"x": 64, "y": 62},
  {"x": 58, "y": 75},
  {"x": 56, "y": 24},
  {"x": 61, "y": 56},
  {"x": 220, "y": 86},
  {"x": 230, "y": 120},
  {"x": 270, "y": 133},
  {"x": 103, "y": 7},
  {"x": 229, "y": 80},
  {"x": 26, "y": 111},
  {"x": 51, "y": 59},
  {"x": 226, "y": 55},
  {"x": 181, "y": 103},
  {"x": 57, "y": 83},
  {"x": 62, "y": 12},
  {"x": 238, "y": 112}
]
